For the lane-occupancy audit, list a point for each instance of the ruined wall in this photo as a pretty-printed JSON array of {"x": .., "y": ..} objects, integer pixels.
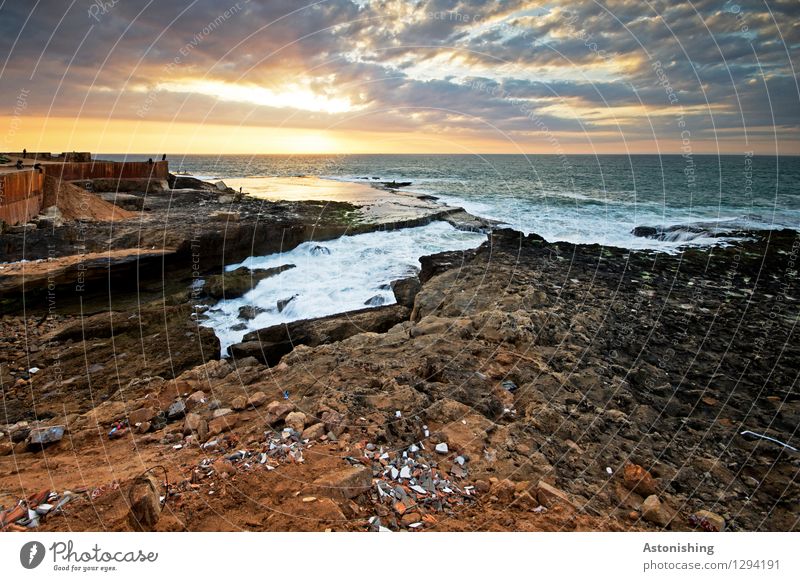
[
  {"x": 20, "y": 196},
  {"x": 108, "y": 170}
]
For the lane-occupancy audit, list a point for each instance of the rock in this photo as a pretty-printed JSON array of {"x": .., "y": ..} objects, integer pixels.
[
  {"x": 375, "y": 301},
  {"x": 196, "y": 399},
  {"x": 250, "y": 312},
  {"x": 219, "y": 412},
  {"x": 195, "y": 424},
  {"x": 525, "y": 501},
  {"x": 709, "y": 520},
  {"x": 145, "y": 507},
  {"x": 655, "y": 511},
  {"x": 277, "y": 410},
  {"x": 442, "y": 448},
  {"x": 296, "y": 421},
  {"x": 222, "y": 424},
  {"x": 142, "y": 427},
  {"x": 236, "y": 283},
  {"x": 258, "y": 399},
  {"x": 639, "y": 480},
  {"x": 482, "y": 487},
  {"x": 141, "y": 415},
  {"x": 314, "y": 432},
  {"x": 345, "y": 483},
  {"x": 239, "y": 403},
  {"x": 177, "y": 410},
  {"x": 405, "y": 291},
  {"x": 334, "y": 422},
  {"x": 503, "y": 490},
  {"x": 41, "y": 437},
  {"x": 550, "y": 496},
  {"x": 6, "y": 448},
  {"x": 268, "y": 345},
  {"x": 283, "y": 303},
  {"x": 19, "y": 432}
]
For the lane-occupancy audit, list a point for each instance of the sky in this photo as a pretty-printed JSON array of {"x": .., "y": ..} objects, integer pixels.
[{"x": 390, "y": 76}]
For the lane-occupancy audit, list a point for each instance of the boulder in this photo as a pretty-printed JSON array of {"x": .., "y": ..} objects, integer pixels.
[
  {"x": 222, "y": 424},
  {"x": 196, "y": 399},
  {"x": 177, "y": 410},
  {"x": 710, "y": 520},
  {"x": 233, "y": 284},
  {"x": 145, "y": 503},
  {"x": 195, "y": 424},
  {"x": 258, "y": 399},
  {"x": 405, "y": 291},
  {"x": 345, "y": 483},
  {"x": 639, "y": 480},
  {"x": 314, "y": 432},
  {"x": 42, "y": 437},
  {"x": 550, "y": 496},
  {"x": 655, "y": 511},
  {"x": 141, "y": 415},
  {"x": 277, "y": 410},
  {"x": 268, "y": 345},
  {"x": 296, "y": 421}
]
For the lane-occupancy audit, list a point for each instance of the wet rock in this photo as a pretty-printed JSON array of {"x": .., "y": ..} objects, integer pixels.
[
  {"x": 268, "y": 345},
  {"x": 238, "y": 282},
  {"x": 42, "y": 437},
  {"x": 296, "y": 421},
  {"x": 375, "y": 301},
  {"x": 283, "y": 303},
  {"x": 250, "y": 312},
  {"x": 405, "y": 291},
  {"x": 639, "y": 480},
  {"x": 345, "y": 483},
  {"x": 655, "y": 511}
]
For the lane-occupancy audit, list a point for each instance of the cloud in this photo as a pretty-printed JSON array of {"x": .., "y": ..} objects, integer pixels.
[{"x": 465, "y": 66}]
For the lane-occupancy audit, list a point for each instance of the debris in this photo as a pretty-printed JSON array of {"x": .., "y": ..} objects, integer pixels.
[
  {"x": 41, "y": 437},
  {"x": 442, "y": 448},
  {"x": 748, "y": 435}
]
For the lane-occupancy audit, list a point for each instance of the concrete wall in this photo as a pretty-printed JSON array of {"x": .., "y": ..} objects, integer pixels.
[
  {"x": 70, "y": 156},
  {"x": 20, "y": 196}
]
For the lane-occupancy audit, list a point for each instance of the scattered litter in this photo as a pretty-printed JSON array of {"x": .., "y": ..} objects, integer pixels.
[
  {"x": 33, "y": 370},
  {"x": 442, "y": 448},
  {"x": 609, "y": 470},
  {"x": 748, "y": 435}
]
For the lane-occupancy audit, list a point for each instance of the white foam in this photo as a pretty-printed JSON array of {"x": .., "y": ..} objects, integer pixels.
[{"x": 357, "y": 269}]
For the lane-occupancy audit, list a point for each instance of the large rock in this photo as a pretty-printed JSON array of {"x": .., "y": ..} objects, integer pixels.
[
  {"x": 296, "y": 421},
  {"x": 195, "y": 424},
  {"x": 41, "y": 437},
  {"x": 710, "y": 520},
  {"x": 345, "y": 483},
  {"x": 222, "y": 424},
  {"x": 405, "y": 291},
  {"x": 236, "y": 283},
  {"x": 655, "y": 511},
  {"x": 639, "y": 480},
  {"x": 276, "y": 411},
  {"x": 270, "y": 344},
  {"x": 550, "y": 496},
  {"x": 145, "y": 504},
  {"x": 258, "y": 399},
  {"x": 177, "y": 410},
  {"x": 314, "y": 432},
  {"x": 141, "y": 415}
]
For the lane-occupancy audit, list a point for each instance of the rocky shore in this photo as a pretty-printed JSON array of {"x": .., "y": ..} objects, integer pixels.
[{"x": 520, "y": 386}]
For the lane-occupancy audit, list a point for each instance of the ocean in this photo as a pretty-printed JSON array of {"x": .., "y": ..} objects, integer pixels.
[
  {"x": 574, "y": 198},
  {"x": 682, "y": 202}
]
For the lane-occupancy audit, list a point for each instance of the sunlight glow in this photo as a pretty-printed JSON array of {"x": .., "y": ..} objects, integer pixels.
[{"x": 288, "y": 96}]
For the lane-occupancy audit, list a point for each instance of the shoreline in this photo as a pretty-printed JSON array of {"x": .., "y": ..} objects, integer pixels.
[{"x": 541, "y": 365}]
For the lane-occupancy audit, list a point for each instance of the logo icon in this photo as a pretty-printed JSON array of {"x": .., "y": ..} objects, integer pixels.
[{"x": 31, "y": 554}]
